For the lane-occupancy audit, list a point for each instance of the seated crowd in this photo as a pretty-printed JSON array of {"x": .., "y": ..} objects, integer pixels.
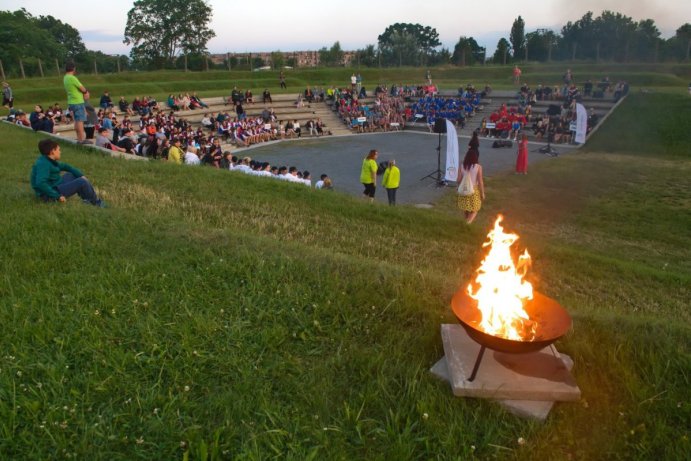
[
  {"x": 248, "y": 166},
  {"x": 457, "y": 109},
  {"x": 505, "y": 122},
  {"x": 386, "y": 112},
  {"x": 556, "y": 124}
]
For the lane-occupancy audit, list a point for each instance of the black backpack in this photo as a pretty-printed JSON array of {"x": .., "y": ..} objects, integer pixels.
[
  {"x": 502, "y": 143},
  {"x": 382, "y": 168}
]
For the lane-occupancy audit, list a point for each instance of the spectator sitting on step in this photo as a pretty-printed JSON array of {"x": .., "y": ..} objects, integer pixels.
[
  {"x": 124, "y": 106},
  {"x": 106, "y": 101},
  {"x": 184, "y": 101},
  {"x": 198, "y": 102},
  {"x": 139, "y": 108},
  {"x": 128, "y": 141},
  {"x": 289, "y": 131},
  {"x": 311, "y": 127},
  {"x": 235, "y": 95},
  {"x": 40, "y": 121},
  {"x": 588, "y": 88},
  {"x": 206, "y": 122},
  {"x": 59, "y": 115},
  {"x": 21, "y": 120},
  {"x": 248, "y": 96},
  {"x": 103, "y": 140},
  {"x": 171, "y": 102},
  {"x": 309, "y": 96},
  {"x": 266, "y": 96}
]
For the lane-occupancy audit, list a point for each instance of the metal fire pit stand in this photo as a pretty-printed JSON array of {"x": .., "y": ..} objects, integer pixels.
[
  {"x": 477, "y": 363},
  {"x": 481, "y": 353}
]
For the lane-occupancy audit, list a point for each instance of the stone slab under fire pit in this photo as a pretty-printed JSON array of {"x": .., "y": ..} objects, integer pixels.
[
  {"x": 534, "y": 409},
  {"x": 540, "y": 375}
]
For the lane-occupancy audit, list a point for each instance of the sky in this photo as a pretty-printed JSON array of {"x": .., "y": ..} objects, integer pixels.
[{"x": 271, "y": 25}]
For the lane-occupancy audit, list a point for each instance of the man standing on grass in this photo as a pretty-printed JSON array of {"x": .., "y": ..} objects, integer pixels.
[
  {"x": 50, "y": 186},
  {"x": 516, "y": 75},
  {"x": 76, "y": 94},
  {"x": 7, "y": 97}
]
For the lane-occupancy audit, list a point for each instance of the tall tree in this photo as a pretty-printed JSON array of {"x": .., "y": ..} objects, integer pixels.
[
  {"x": 64, "y": 34},
  {"x": 467, "y": 52},
  {"x": 159, "y": 30},
  {"x": 683, "y": 39},
  {"x": 400, "y": 36},
  {"x": 578, "y": 36},
  {"x": 517, "y": 38},
  {"x": 22, "y": 39},
  {"x": 277, "y": 60},
  {"x": 332, "y": 56},
  {"x": 368, "y": 56},
  {"x": 540, "y": 44},
  {"x": 502, "y": 51},
  {"x": 615, "y": 33},
  {"x": 646, "y": 40},
  {"x": 403, "y": 49}
]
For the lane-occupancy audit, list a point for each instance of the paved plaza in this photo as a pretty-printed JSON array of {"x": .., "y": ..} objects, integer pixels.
[{"x": 415, "y": 153}]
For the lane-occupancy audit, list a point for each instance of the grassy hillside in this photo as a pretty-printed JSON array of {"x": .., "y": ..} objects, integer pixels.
[
  {"x": 671, "y": 77},
  {"x": 212, "y": 314}
]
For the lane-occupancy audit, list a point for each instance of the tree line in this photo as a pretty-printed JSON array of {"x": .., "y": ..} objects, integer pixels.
[
  {"x": 175, "y": 33},
  {"x": 39, "y": 46}
]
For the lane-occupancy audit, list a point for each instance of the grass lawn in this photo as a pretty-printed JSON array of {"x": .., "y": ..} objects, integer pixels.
[{"x": 208, "y": 315}]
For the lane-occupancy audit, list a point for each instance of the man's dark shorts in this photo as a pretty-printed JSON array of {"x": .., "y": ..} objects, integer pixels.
[
  {"x": 79, "y": 112},
  {"x": 370, "y": 189}
]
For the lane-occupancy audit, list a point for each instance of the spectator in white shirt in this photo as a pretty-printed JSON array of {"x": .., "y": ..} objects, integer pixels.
[
  {"x": 307, "y": 178},
  {"x": 191, "y": 157},
  {"x": 324, "y": 183}
]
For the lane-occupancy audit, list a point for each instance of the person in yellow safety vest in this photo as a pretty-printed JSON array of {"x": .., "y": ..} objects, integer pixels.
[
  {"x": 391, "y": 181},
  {"x": 368, "y": 174}
]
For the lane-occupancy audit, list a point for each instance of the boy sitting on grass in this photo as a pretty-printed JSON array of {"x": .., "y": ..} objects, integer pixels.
[{"x": 50, "y": 186}]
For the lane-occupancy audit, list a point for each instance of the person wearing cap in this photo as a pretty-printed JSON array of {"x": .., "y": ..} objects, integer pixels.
[
  {"x": 51, "y": 186},
  {"x": 76, "y": 94}
]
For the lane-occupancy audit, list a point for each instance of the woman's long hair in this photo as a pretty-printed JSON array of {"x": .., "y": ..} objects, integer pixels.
[{"x": 471, "y": 158}]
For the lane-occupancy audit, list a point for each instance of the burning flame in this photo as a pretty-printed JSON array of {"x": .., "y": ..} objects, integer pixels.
[{"x": 501, "y": 291}]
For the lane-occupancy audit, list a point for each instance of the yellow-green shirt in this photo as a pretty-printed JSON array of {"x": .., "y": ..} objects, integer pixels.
[
  {"x": 175, "y": 155},
  {"x": 369, "y": 171},
  {"x": 392, "y": 178},
  {"x": 72, "y": 85}
]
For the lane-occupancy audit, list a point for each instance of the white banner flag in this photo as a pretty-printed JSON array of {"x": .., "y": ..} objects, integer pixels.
[
  {"x": 581, "y": 123},
  {"x": 451, "y": 171}
]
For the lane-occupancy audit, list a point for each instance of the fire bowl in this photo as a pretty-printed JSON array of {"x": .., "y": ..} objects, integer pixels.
[{"x": 552, "y": 319}]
